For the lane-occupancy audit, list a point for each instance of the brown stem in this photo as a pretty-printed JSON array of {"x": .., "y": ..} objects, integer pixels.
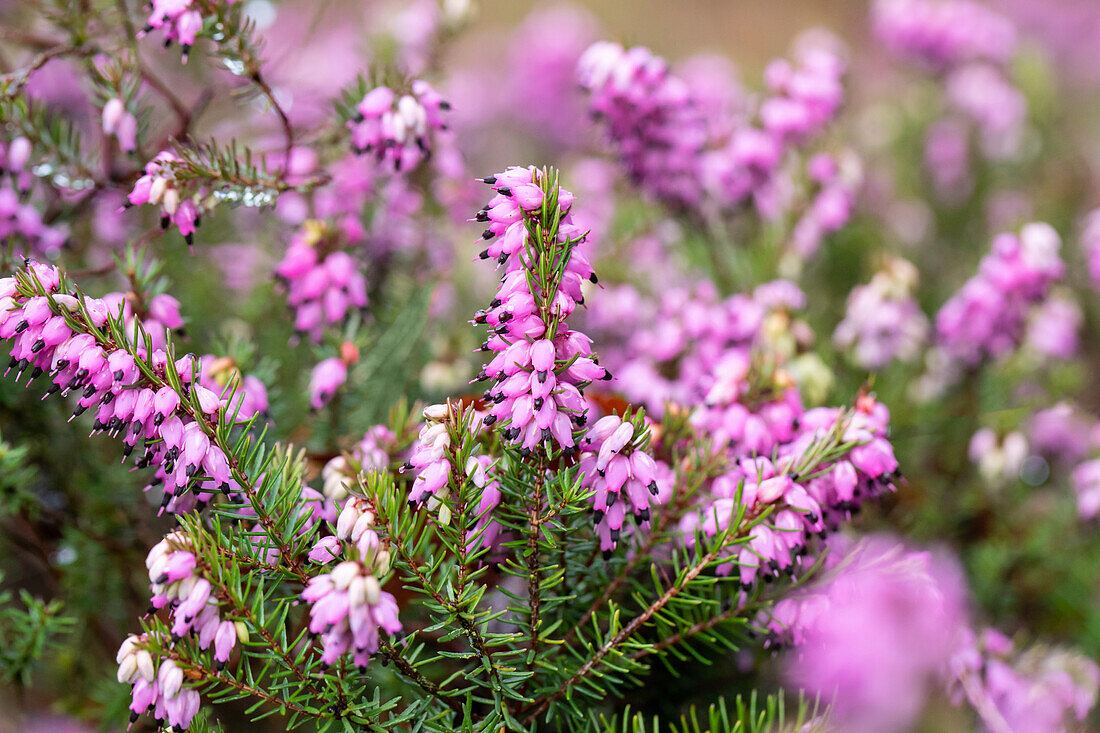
[
  {"x": 534, "y": 580},
  {"x": 284, "y": 120},
  {"x": 676, "y": 638}
]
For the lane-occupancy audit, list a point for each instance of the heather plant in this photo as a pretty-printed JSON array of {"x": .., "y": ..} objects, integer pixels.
[{"x": 724, "y": 404}]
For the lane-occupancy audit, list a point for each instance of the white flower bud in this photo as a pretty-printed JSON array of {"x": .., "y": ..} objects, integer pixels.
[
  {"x": 19, "y": 153},
  {"x": 382, "y": 562},
  {"x": 145, "y": 665},
  {"x": 112, "y": 115},
  {"x": 157, "y": 189},
  {"x": 127, "y": 669},
  {"x": 357, "y": 591},
  {"x": 171, "y": 201},
  {"x": 373, "y": 590},
  {"x": 344, "y": 573},
  {"x": 435, "y": 412}
]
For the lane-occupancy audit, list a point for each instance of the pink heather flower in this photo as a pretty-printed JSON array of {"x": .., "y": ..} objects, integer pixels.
[
  {"x": 324, "y": 284},
  {"x": 875, "y": 635},
  {"x": 1053, "y": 326},
  {"x": 120, "y": 123},
  {"x": 836, "y": 183},
  {"x": 804, "y": 508},
  {"x": 947, "y": 159},
  {"x": 158, "y": 691},
  {"x": 180, "y": 20},
  {"x": 1086, "y": 484},
  {"x": 176, "y": 583},
  {"x": 189, "y": 467},
  {"x": 652, "y": 122},
  {"x": 986, "y": 318},
  {"x": 350, "y": 610},
  {"x": 883, "y": 323},
  {"x": 398, "y": 129},
  {"x": 717, "y": 91},
  {"x": 686, "y": 344},
  {"x": 542, "y": 57},
  {"x": 804, "y": 96},
  {"x": 536, "y": 381},
  {"x": 157, "y": 317},
  {"x": 372, "y": 454},
  {"x": 325, "y": 550},
  {"x": 1039, "y": 689},
  {"x": 995, "y": 106},
  {"x": 1090, "y": 245},
  {"x": 20, "y": 222},
  {"x": 486, "y": 532},
  {"x": 943, "y": 33},
  {"x": 432, "y": 455},
  {"x": 158, "y": 188},
  {"x": 355, "y": 524},
  {"x": 327, "y": 377},
  {"x": 1062, "y": 431},
  {"x": 623, "y": 475},
  {"x": 998, "y": 460}
]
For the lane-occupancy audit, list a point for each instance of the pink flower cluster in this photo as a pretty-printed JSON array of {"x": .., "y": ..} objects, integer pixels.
[
  {"x": 243, "y": 395},
  {"x": 616, "y": 465},
  {"x": 835, "y": 182},
  {"x": 373, "y": 453},
  {"x": 677, "y": 348},
  {"x": 971, "y": 46},
  {"x": 189, "y": 466},
  {"x": 19, "y": 220},
  {"x": 811, "y": 499},
  {"x": 157, "y": 317},
  {"x": 181, "y": 20},
  {"x": 1053, "y": 326},
  {"x": 121, "y": 124},
  {"x": 983, "y": 95},
  {"x": 486, "y": 532},
  {"x": 354, "y": 526},
  {"x": 887, "y": 626},
  {"x": 398, "y": 129},
  {"x": 693, "y": 154},
  {"x": 1039, "y": 689},
  {"x": 431, "y": 458},
  {"x": 875, "y": 635},
  {"x": 651, "y": 119},
  {"x": 883, "y": 322},
  {"x": 158, "y": 187},
  {"x": 177, "y": 584},
  {"x": 156, "y": 688},
  {"x": 804, "y": 96},
  {"x": 1090, "y": 245},
  {"x": 943, "y": 33},
  {"x": 349, "y": 609},
  {"x": 325, "y": 380},
  {"x": 540, "y": 365},
  {"x": 323, "y": 282},
  {"x": 987, "y": 317}
]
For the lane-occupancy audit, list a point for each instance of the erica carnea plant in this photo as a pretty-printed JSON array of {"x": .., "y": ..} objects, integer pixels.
[{"x": 747, "y": 406}]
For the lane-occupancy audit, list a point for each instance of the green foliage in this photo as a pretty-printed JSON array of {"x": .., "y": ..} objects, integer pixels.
[
  {"x": 770, "y": 715},
  {"x": 59, "y": 155},
  {"x": 28, "y": 631}
]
